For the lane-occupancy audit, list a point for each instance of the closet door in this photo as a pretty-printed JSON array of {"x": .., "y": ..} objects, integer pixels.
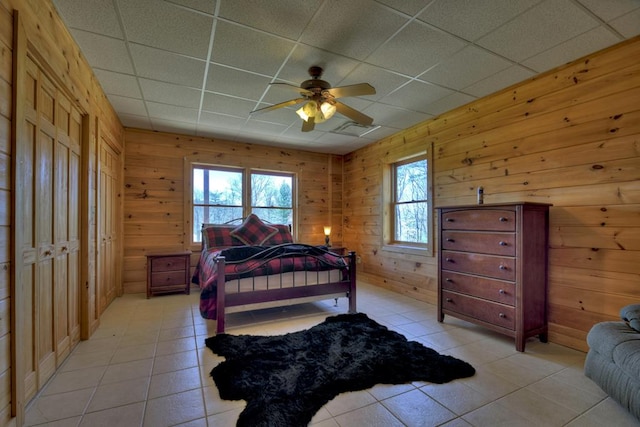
[
  {"x": 47, "y": 227},
  {"x": 109, "y": 211}
]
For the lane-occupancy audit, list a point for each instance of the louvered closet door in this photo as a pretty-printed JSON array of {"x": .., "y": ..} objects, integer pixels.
[{"x": 49, "y": 170}]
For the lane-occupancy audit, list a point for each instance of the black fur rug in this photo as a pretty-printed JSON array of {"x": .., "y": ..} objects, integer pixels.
[{"x": 286, "y": 379}]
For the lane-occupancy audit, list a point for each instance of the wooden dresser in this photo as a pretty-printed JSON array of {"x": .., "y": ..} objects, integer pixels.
[
  {"x": 493, "y": 267},
  {"x": 168, "y": 272}
]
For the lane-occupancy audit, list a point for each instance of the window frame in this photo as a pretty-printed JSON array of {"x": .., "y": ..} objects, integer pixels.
[
  {"x": 247, "y": 205},
  {"x": 389, "y": 242}
]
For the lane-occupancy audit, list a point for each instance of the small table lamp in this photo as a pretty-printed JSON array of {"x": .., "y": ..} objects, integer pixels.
[{"x": 327, "y": 232}]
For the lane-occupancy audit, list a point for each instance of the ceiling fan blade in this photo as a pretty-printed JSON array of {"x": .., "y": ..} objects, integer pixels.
[
  {"x": 352, "y": 90},
  {"x": 354, "y": 115},
  {"x": 280, "y": 105},
  {"x": 307, "y": 126},
  {"x": 292, "y": 87}
]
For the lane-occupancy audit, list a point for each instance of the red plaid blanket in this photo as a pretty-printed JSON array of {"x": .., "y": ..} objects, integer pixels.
[{"x": 251, "y": 261}]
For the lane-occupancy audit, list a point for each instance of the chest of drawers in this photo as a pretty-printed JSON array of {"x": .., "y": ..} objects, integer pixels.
[
  {"x": 168, "y": 272},
  {"x": 492, "y": 271}
]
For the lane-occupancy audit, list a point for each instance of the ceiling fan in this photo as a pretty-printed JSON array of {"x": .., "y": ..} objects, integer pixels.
[{"x": 320, "y": 100}]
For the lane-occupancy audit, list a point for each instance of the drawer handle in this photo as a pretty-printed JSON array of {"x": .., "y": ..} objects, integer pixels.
[
  {"x": 503, "y": 267},
  {"x": 449, "y": 300},
  {"x": 449, "y": 260},
  {"x": 502, "y": 243},
  {"x": 501, "y": 292},
  {"x": 449, "y": 239},
  {"x": 502, "y": 315},
  {"x": 448, "y": 279},
  {"x": 450, "y": 220},
  {"x": 503, "y": 219}
]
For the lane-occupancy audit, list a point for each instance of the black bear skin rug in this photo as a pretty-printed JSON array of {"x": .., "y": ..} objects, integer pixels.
[{"x": 286, "y": 379}]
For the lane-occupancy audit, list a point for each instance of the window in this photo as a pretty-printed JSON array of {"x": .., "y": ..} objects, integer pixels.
[
  {"x": 222, "y": 194},
  {"x": 408, "y": 220}
]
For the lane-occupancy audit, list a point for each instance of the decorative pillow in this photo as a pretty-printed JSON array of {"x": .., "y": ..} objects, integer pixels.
[
  {"x": 631, "y": 315},
  {"x": 218, "y": 236},
  {"x": 282, "y": 236},
  {"x": 253, "y": 231}
]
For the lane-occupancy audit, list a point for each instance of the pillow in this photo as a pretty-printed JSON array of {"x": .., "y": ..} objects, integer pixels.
[
  {"x": 282, "y": 236},
  {"x": 631, "y": 315},
  {"x": 218, "y": 236},
  {"x": 253, "y": 231}
]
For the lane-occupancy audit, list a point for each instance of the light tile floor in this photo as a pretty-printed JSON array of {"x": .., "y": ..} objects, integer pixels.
[{"x": 146, "y": 365}]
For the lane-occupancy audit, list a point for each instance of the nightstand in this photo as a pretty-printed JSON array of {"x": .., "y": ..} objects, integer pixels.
[
  {"x": 168, "y": 272},
  {"x": 340, "y": 250}
]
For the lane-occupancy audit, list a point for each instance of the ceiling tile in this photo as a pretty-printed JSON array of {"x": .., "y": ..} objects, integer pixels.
[
  {"x": 234, "y": 82},
  {"x": 141, "y": 122},
  {"x": 335, "y": 67},
  {"x": 96, "y": 16},
  {"x": 216, "y": 103},
  {"x": 549, "y": 24},
  {"x": 167, "y": 67},
  {"x": 166, "y": 26},
  {"x": 415, "y": 49},
  {"x": 448, "y": 103},
  {"x": 104, "y": 52},
  {"x": 215, "y": 120},
  {"x": 455, "y": 72},
  {"x": 585, "y": 43},
  {"x": 167, "y": 93},
  {"x": 354, "y": 28},
  {"x": 498, "y": 81},
  {"x": 172, "y": 112},
  {"x": 608, "y": 10},
  {"x": 384, "y": 81},
  {"x": 395, "y": 117},
  {"x": 207, "y": 6},
  {"x": 171, "y": 126},
  {"x": 286, "y": 18},
  {"x": 410, "y": 7},
  {"x": 127, "y": 105},
  {"x": 472, "y": 19},
  {"x": 416, "y": 96},
  {"x": 118, "y": 84},
  {"x": 628, "y": 25},
  {"x": 248, "y": 49}
]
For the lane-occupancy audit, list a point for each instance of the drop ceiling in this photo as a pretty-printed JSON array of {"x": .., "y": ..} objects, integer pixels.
[{"x": 199, "y": 67}]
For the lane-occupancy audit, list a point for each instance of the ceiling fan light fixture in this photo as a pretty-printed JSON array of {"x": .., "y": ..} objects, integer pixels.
[
  {"x": 309, "y": 109},
  {"x": 328, "y": 110}
]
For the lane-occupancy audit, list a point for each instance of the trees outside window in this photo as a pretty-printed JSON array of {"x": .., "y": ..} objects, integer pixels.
[
  {"x": 408, "y": 219},
  {"x": 223, "y": 194}
]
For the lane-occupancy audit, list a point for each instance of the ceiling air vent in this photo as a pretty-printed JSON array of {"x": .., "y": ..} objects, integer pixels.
[{"x": 354, "y": 129}]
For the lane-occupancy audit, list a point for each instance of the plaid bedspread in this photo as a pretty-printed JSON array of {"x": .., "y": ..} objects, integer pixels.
[{"x": 253, "y": 261}]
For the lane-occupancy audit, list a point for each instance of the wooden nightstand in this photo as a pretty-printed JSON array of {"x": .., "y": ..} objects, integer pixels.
[
  {"x": 340, "y": 250},
  {"x": 168, "y": 272}
]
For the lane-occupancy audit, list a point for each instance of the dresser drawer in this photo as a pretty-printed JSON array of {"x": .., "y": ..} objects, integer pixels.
[
  {"x": 481, "y": 220},
  {"x": 168, "y": 263},
  {"x": 165, "y": 278},
  {"x": 494, "y": 290},
  {"x": 499, "y": 267},
  {"x": 488, "y": 243},
  {"x": 487, "y": 311}
]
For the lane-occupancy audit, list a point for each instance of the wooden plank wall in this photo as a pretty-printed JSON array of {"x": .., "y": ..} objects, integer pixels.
[
  {"x": 570, "y": 137},
  {"x": 154, "y": 196},
  {"x": 63, "y": 61}
]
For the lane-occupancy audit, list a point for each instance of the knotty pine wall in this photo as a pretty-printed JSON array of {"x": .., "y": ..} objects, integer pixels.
[
  {"x": 154, "y": 196},
  {"x": 47, "y": 36},
  {"x": 570, "y": 137}
]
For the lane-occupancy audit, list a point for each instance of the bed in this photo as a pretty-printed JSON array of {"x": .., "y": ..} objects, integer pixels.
[{"x": 263, "y": 267}]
